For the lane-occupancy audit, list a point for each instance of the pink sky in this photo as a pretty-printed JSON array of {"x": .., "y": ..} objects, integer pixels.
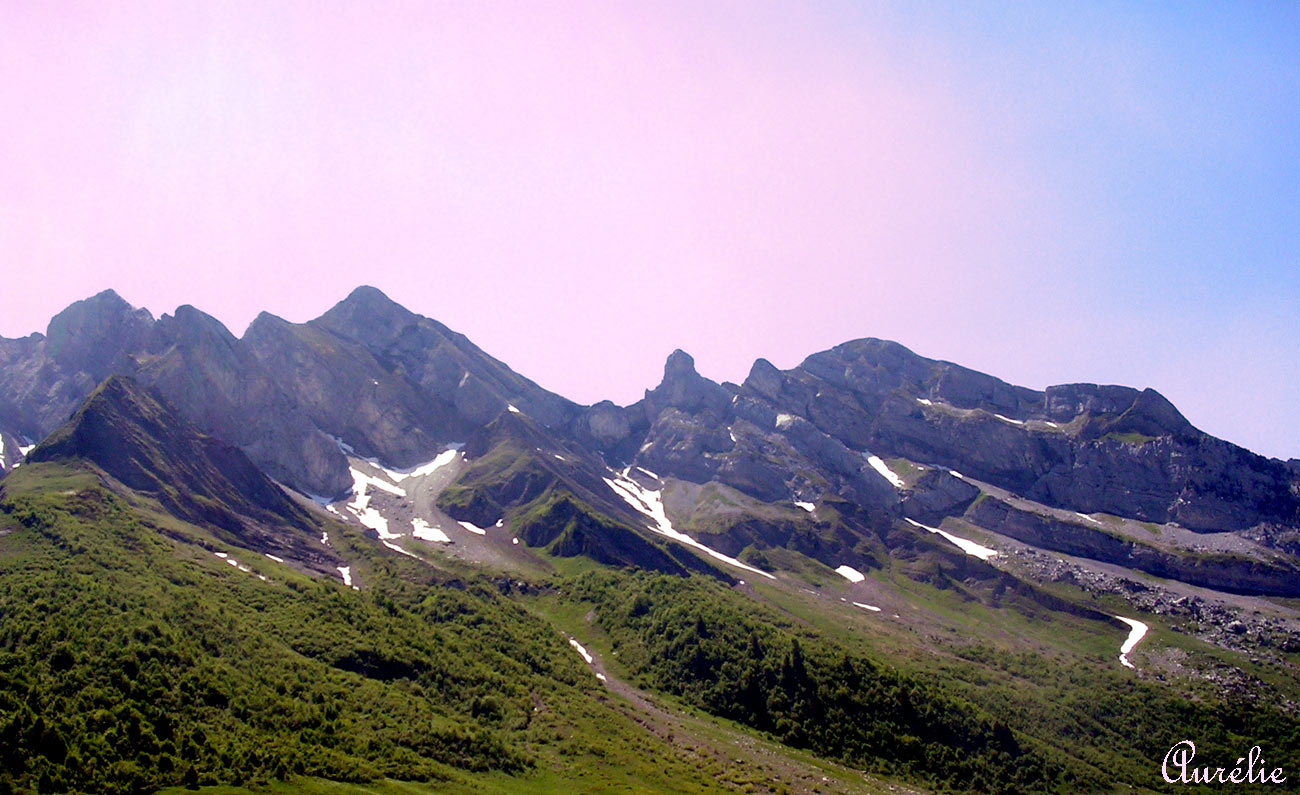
[{"x": 583, "y": 188}]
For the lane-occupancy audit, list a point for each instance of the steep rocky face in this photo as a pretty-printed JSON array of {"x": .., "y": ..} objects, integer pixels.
[
  {"x": 1079, "y": 446},
  {"x": 343, "y": 390},
  {"x": 1232, "y": 573},
  {"x": 439, "y": 362},
  {"x": 223, "y": 388},
  {"x": 138, "y": 440}
]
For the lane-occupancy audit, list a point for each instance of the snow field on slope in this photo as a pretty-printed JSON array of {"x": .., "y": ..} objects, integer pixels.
[{"x": 650, "y": 504}]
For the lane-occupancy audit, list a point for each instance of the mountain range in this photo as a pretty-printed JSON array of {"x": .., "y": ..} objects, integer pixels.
[{"x": 872, "y": 570}]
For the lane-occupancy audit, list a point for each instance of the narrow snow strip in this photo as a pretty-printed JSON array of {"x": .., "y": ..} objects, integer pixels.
[
  {"x": 273, "y": 557},
  {"x": 473, "y": 528},
  {"x": 575, "y": 644},
  {"x": 1086, "y": 517},
  {"x": 956, "y": 474},
  {"x": 346, "y": 573},
  {"x": 1049, "y": 422},
  {"x": 1136, "y": 631},
  {"x": 648, "y": 472},
  {"x": 807, "y": 506},
  {"x": 560, "y": 457},
  {"x": 925, "y": 402},
  {"x": 221, "y": 555},
  {"x": 851, "y": 574},
  {"x": 427, "y": 532},
  {"x": 969, "y": 547},
  {"x": 885, "y": 472},
  {"x": 1008, "y": 419},
  {"x": 396, "y": 548},
  {"x": 872, "y": 608},
  {"x": 650, "y": 504},
  {"x": 344, "y": 446}
]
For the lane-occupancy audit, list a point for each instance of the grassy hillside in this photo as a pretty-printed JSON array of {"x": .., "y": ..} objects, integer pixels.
[{"x": 133, "y": 658}]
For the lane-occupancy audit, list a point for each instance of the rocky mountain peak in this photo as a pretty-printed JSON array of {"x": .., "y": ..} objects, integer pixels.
[
  {"x": 368, "y": 316},
  {"x": 93, "y": 334},
  {"x": 679, "y": 363},
  {"x": 684, "y": 388},
  {"x": 764, "y": 378}
]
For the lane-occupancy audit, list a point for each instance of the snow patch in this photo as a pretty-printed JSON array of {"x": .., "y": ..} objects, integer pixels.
[
  {"x": 575, "y": 644},
  {"x": 601, "y": 677},
  {"x": 221, "y": 555},
  {"x": 514, "y": 541},
  {"x": 360, "y": 505},
  {"x": 560, "y": 457},
  {"x": 969, "y": 547},
  {"x": 273, "y": 557},
  {"x": 470, "y": 526},
  {"x": 346, "y": 573},
  {"x": 1086, "y": 517},
  {"x": 512, "y": 409},
  {"x": 956, "y": 474},
  {"x": 427, "y": 532},
  {"x": 807, "y": 506},
  {"x": 1136, "y": 631},
  {"x": 851, "y": 574},
  {"x": 1008, "y": 419},
  {"x": 650, "y": 504},
  {"x": 784, "y": 421},
  {"x": 441, "y": 460},
  {"x": 324, "y": 538},
  {"x": 925, "y": 401},
  {"x": 880, "y": 466},
  {"x": 1049, "y": 422},
  {"x": 872, "y": 608}
]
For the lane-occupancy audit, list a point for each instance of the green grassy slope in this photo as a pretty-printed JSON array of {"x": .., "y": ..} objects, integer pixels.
[{"x": 133, "y": 658}]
